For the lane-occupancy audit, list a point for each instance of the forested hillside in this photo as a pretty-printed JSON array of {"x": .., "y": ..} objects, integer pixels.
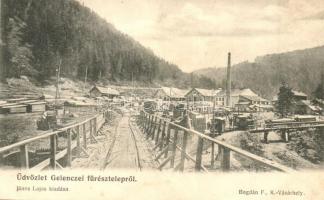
[
  {"x": 301, "y": 69},
  {"x": 40, "y": 35}
]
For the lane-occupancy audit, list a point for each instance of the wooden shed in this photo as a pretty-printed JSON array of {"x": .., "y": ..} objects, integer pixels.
[
  {"x": 36, "y": 106},
  {"x": 173, "y": 94},
  {"x": 97, "y": 91},
  {"x": 197, "y": 94},
  {"x": 3, "y": 110},
  {"x": 19, "y": 108}
]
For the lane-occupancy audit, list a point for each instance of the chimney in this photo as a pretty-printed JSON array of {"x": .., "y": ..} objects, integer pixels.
[{"x": 228, "y": 81}]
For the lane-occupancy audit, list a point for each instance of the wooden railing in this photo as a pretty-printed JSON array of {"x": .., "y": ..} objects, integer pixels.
[
  {"x": 82, "y": 132},
  {"x": 294, "y": 124},
  {"x": 159, "y": 130}
]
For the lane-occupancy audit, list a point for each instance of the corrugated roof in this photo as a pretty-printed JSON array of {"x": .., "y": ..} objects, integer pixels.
[
  {"x": 207, "y": 93},
  {"x": 107, "y": 90},
  {"x": 245, "y": 92},
  {"x": 175, "y": 92},
  {"x": 254, "y": 98}
]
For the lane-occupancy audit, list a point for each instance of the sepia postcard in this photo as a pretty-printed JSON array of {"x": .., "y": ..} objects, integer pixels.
[{"x": 162, "y": 99}]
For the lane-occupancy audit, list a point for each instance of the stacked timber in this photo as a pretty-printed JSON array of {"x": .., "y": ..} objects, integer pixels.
[
  {"x": 11, "y": 109},
  {"x": 21, "y": 105},
  {"x": 38, "y": 106}
]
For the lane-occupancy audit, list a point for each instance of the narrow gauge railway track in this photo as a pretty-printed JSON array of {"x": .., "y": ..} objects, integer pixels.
[
  {"x": 137, "y": 160},
  {"x": 107, "y": 158},
  {"x": 116, "y": 147}
]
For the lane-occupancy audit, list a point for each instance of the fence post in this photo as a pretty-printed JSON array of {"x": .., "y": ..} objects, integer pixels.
[
  {"x": 287, "y": 136},
  {"x": 78, "y": 141},
  {"x": 163, "y": 135},
  {"x": 158, "y": 132},
  {"x": 184, "y": 148},
  {"x": 149, "y": 127},
  {"x": 24, "y": 158},
  {"x": 283, "y": 135},
  {"x": 144, "y": 122},
  {"x": 154, "y": 127},
  {"x": 53, "y": 151},
  {"x": 265, "y": 136},
  {"x": 225, "y": 159},
  {"x": 167, "y": 142},
  {"x": 147, "y": 123},
  {"x": 174, "y": 146},
  {"x": 212, "y": 155},
  {"x": 69, "y": 148},
  {"x": 142, "y": 119},
  {"x": 200, "y": 147},
  {"x": 95, "y": 126},
  {"x": 91, "y": 131},
  {"x": 84, "y": 136}
]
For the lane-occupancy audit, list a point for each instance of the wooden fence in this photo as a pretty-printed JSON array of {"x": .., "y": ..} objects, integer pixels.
[
  {"x": 77, "y": 137},
  {"x": 159, "y": 130}
]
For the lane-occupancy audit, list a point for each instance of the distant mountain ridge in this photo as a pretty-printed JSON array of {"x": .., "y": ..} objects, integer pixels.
[
  {"x": 38, "y": 36},
  {"x": 301, "y": 69}
]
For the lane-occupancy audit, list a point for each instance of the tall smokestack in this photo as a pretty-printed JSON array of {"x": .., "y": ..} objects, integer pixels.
[{"x": 228, "y": 81}]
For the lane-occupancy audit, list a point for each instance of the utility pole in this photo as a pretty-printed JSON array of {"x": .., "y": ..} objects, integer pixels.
[
  {"x": 228, "y": 81},
  {"x": 170, "y": 98},
  {"x": 58, "y": 71},
  {"x": 85, "y": 78},
  {"x": 212, "y": 163},
  {"x": 133, "y": 96}
]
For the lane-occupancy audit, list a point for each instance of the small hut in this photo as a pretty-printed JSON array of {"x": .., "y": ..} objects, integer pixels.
[
  {"x": 36, "y": 106},
  {"x": 97, "y": 91},
  {"x": 19, "y": 108}
]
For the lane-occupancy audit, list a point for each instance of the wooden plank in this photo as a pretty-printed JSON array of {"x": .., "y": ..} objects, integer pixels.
[
  {"x": 154, "y": 128},
  {"x": 158, "y": 132},
  {"x": 149, "y": 126},
  {"x": 53, "y": 151},
  {"x": 163, "y": 135},
  {"x": 84, "y": 137},
  {"x": 162, "y": 152},
  {"x": 95, "y": 126},
  {"x": 24, "y": 158},
  {"x": 58, "y": 165},
  {"x": 200, "y": 147},
  {"x": 91, "y": 131},
  {"x": 189, "y": 157},
  {"x": 78, "y": 141},
  {"x": 69, "y": 149},
  {"x": 225, "y": 159},
  {"x": 212, "y": 155},
  {"x": 183, "y": 152},
  {"x": 164, "y": 163},
  {"x": 147, "y": 123},
  {"x": 46, "y": 162},
  {"x": 265, "y": 136},
  {"x": 167, "y": 140},
  {"x": 174, "y": 147}
]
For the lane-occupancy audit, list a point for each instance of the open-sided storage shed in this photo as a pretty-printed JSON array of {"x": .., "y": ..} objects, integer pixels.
[{"x": 36, "y": 106}]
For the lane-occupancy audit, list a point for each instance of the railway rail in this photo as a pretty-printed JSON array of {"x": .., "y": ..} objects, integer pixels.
[{"x": 124, "y": 150}]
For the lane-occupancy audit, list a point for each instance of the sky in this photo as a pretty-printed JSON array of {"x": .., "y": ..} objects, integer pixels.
[{"x": 195, "y": 34}]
